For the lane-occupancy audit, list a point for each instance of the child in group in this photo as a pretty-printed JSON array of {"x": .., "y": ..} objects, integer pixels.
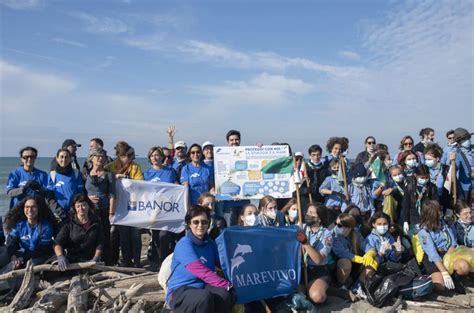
[
  {"x": 333, "y": 191},
  {"x": 436, "y": 240},
  {"x": 360, "y": 192},
  {"x": 290, "y": 210},
  {"x": 397, "y": 187},
  {"x": 381, "y": 242},
  {"x": 317, "y": 250},
  {"x": 463, "y": 227},
  {"x": 269, "y": 215},
  {"x": 347, "y": 248},
  {"x": 248, "y": 215},
  {"x": 217, "y": 224},
  {"x": 419, "y": 190}
]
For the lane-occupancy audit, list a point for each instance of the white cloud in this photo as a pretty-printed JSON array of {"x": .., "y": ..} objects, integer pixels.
[
  {"x": 69, "y": 42},
  {"x": 21, "y": 4},
  {"x": 103, "y": 24},
  {"x": 349, "y": 55},
  {"x": 224, "y": 56},
  {"x": 264, "y": 90}
]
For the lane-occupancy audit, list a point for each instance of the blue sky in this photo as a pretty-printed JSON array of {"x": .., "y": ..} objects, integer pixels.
[{"x": 293, "y": 71}]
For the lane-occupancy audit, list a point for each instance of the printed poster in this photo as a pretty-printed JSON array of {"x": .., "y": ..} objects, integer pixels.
[{"x": 238, "y": 173}]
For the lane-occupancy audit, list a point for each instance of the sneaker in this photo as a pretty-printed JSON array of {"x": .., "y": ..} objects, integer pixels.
[{"x": 358, "y": 292}]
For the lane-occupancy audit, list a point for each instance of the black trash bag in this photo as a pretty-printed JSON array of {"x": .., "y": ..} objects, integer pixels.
[{"x": 384, "y": 284}]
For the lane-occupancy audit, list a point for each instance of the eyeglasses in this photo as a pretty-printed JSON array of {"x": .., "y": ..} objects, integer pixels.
[
  {"x": 371, "y": 142},
  {"x": 24, "y": 157},
  {"x": 195, "y": 152},
  {"x": 202, "y": 222}
]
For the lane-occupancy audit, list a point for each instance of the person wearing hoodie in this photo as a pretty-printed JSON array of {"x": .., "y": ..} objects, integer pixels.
[
  {"x": 360, "y": 192},
  {"x": 79, "y": 240}
]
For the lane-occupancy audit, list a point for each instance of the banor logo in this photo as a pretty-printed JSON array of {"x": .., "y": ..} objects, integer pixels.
[{"x": 248, "y": 277}]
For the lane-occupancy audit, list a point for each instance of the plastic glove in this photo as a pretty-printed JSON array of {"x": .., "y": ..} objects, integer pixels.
[
  {"x": 368, "y": 257},
  {"x": 62, "y": 263},
  {"x": 448, "y": 281},
  {"x": 373, "y": 264},
  {"x": 27, "y": 185},
  {"x": 301, "y": 237},
  {"x": 357, "y": 259},
  {"x": 406, "y": 228},
  {"x": 384, "y": 247},
  {"x": 398, "y": 246},
  {"x": 35, "y": 185}
]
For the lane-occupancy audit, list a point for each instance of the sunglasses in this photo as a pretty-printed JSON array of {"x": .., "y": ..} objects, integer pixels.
[
  {"x": 25, "y": 157},
  {"x": 195, "y": 152},
  {"x": 202, "y": 222},
  {"x": 371, "y": 142},
  {"x": 339, "y": 225},
  {"x": 408, "y": 144}
]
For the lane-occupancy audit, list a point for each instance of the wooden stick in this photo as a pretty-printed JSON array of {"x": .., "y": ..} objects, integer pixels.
[
  {"x": 22, "y": 297},
  {"x": 300, "y": 222},
  {"x": 454, "y": 182},
  {"x": 73, "y": 266},
  {"x": 344, "y": 177},
  {"x": 113, "y": 280}
]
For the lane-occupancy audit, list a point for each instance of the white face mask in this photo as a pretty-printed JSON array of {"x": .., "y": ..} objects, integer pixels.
[
  {"x": 430, "y": 163},
  {"x": 398, "y": 179},
  {"x": 411, "y": 163},
  {"x": 250, "y": 220},
  {"x": 466, "y": 144},
  {"x": 421, "y": 181},
  {"x": 381, "y": 229},
  {"x": 293, "y": 214},
  {"x": 360, "y": 180},
  {"x": 271, "y": 214}
]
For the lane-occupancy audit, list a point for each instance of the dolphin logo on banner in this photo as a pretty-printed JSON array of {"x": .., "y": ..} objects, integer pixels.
[{"x": 238, "y": 259}]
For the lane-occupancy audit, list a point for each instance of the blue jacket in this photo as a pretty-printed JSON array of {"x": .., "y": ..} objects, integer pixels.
[
  {"x": 464, "y": 234},
  {"x": 374, "y": 241},
  {"x": 434, "y": 242},
  {"x": 31, "y": 241},
  {"x": 362, "y": 196},
  {"x": 342, "y": 246},
  {"x": 65, "y": 187},
  {"x": 18, "y": 178}
]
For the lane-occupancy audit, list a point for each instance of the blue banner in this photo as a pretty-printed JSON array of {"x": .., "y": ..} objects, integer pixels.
[{"x": 261, "y": 262}]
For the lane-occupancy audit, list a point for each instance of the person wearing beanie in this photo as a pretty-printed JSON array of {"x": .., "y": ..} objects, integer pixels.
[{"x": 360, "y": 192}]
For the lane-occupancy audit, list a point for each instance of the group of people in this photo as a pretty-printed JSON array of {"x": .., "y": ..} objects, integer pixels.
[{"x": 66, "y": 215}]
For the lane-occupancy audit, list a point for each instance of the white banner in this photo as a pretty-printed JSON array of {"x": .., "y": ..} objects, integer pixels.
[
  {"x": 152, "y": 205},
  {"x": 238, "y": 173}
]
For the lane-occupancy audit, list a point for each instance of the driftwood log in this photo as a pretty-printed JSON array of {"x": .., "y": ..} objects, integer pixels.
[
  {"x": 77, "y": 301},
  {"x": 22, "y": 297},
  {"x": 73, "y": 266}
]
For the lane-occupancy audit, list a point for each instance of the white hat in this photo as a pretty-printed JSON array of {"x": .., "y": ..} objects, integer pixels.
[
  {"x": 180, "y": 144},
  {"x": 207, "y": 143},
  {"x": 298, "y": 154}
]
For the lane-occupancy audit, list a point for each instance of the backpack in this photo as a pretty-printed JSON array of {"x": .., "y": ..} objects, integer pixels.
[{"x": 419, "y": 287}]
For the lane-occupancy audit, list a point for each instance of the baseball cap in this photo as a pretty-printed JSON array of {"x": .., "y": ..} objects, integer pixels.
[
  {"x": 179, "y": 144},
  {"x": 70, "y": 142},
  {"x": 207, "y": 143}
]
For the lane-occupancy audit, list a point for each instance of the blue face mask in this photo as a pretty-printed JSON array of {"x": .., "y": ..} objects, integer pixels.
[
  {"x": 421, "y": 182},
  {"x": 412, "y": 163},
  {"x": 466, "y": 144},
  {"x": 339, "y": 231},
  {"x": 430, "y": 163}
]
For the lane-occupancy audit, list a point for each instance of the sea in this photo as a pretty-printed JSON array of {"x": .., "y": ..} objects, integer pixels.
[{"x": 8, "y": 164}]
